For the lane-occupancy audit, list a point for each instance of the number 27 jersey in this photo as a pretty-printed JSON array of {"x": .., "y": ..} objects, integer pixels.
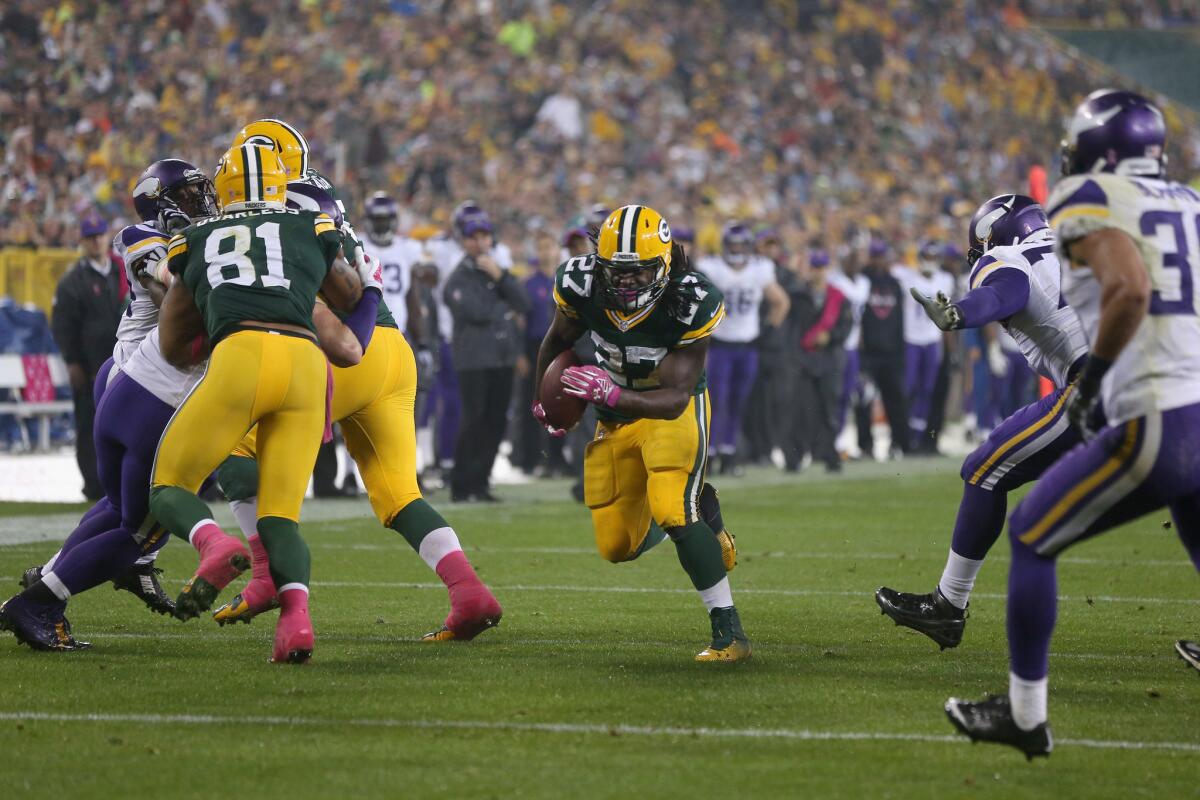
[
  {"x": 265, "y": 265},
  {"x": 630, "y": 347},
  {"x": 1160, "y": 367}
]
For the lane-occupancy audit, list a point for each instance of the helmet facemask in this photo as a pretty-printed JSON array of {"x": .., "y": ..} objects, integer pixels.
[{"x": 630, "y": 285}]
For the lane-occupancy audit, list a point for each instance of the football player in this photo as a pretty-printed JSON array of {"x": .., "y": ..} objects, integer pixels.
[
  {"x": 651, "y": 318},
  {"x": 1126, "y": 237},
  {"x": 746, "y": 281},
  {"x": 396, "y": 254},
  {"x": 135, "y": 398},
  {"x": 922, "y": 339},
  {"x": 374, "y": 403},
  {"x": 248, "y": 280},
  {"x": 1014, "y": 280}
]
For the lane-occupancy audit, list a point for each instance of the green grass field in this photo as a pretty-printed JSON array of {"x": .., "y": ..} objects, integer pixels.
[{"x": 588, "y": 689}]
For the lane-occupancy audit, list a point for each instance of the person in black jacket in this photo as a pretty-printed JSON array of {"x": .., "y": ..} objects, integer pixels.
[
  {"x": 820, "y": 321},
  {"x": 87, "y": 309},
  {"x": 882, "y": 351},
  {"x": 485, "y": 303}
]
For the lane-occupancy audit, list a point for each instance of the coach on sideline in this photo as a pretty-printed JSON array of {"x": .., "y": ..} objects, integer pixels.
[{"x": 87, "y": 308}]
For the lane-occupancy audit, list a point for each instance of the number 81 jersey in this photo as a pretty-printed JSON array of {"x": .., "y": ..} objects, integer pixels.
[
  {"x": 264, "y": 264},
  {"x": 630, "y": 347},
  {"x": 1160, "y": 367}
]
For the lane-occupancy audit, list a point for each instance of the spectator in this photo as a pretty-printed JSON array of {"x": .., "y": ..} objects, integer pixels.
[
  {"x": 748, "y": 283},
  {"x": 485, "y": 303},
  {"x": 820, "y": 321},
  {"x": 536, "y": 451},
  {"x": 882, "y": 352},
  {"x": 87, "y": 308}
]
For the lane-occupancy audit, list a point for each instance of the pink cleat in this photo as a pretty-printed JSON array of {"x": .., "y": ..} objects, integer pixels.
[
  {"x": 473, "y": 607},
  {"x": 222, "y": 558},
  {"x": 294, "y": 631}
]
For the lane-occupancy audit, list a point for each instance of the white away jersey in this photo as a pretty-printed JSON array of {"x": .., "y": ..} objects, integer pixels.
[
  {"x": 918, "y": 327},
  {"x": 1047, "y": 330},
  {"x": 168, "y": 383},
  {"x": 743, "y": 290},
  {"x": 856, "y": 290},
  {"x": 1160, "y": 367},
  {"x": 134, "y": 244},
  {"x": 398, "y": 259}
]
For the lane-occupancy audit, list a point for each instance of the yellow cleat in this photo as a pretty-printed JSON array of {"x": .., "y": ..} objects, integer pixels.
[
  {"x": 443, "y": 634},
  {"x": 737, "y": 650},
  {"x": 728, "y": 549},
  {"x": 729, "y": 641},
  {"x": 239, "y": 610}
]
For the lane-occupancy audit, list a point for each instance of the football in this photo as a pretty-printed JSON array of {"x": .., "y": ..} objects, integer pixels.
[{"x": 562, "y": 410}]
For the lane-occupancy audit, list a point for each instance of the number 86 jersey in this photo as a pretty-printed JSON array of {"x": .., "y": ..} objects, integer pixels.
[
  {"x": 1160, "y": 368},
  {"x": 630, "y": 347}
]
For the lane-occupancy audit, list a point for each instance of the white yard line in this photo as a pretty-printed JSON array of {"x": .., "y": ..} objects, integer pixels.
[{"x": 568, "y": 728}]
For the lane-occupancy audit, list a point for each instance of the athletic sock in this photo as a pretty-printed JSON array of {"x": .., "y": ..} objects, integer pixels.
[
  {"x": 246, "y": 514},
  {"x": 101, "y": 558},
  {"x": 655, "y": 536},
  {"x": 717, "y": 596},
  {"x": 699, "y": 554},
  {"x": 47, "y": 592},
  {"x": 958, "y": 579},
  {"x": 288, "y": 556},
  {"x": 238, "y": 478},
  {"x": 1028, "y": 701},
  {"x": 979, "y": 522},
  {"x": 179, "y": 511},
  {"x": 426, "y": 531}
]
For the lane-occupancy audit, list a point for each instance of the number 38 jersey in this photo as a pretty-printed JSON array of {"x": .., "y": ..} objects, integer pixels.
[
  {"x": 262, "y": 264},
  {"x": 630, "y": 347},
  {"x": 1160, "y": 367}
]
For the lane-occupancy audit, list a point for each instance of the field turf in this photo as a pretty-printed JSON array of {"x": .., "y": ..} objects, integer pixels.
[{"x": 588, "y": 688}]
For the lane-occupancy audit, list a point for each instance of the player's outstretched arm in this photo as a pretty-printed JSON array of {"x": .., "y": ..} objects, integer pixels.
[
  {"x": 561, "y": 336},
  {"x": 181, "y": 327},
  {"x": 339, "y": 343}
]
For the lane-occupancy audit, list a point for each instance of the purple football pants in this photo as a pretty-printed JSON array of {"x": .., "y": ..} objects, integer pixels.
[
  {"x": 921, "y": 362},
  {"x": 1128, "y": 470},
  {"x": 731, "y": 368}
]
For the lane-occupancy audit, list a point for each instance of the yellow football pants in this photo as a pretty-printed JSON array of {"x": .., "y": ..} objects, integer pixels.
[
  {"x": 374, "y": 401},
  {"x": 269, "y": 379},
  {"x": 646, "y": 469}
]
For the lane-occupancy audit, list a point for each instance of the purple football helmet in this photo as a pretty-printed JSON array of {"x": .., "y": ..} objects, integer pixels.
[
  {"x": 1005, "y": 219},
  {"x": 174, "y": 184},
  {"x": 737, "y": 243},
  {"x": 383, "y": 217},
  {"x": 1115, "y": 131},
  {"x": 469, "y": 219},
  {"x": 301, "y": 194}
]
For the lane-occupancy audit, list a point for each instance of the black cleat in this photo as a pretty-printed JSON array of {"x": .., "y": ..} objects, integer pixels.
[
  {"x": 30, "y": 576},
  {"x": 1189, "y": 652},
  {"x": 41, "y": 627},
  {"x": 931, "y": 614},
  {"x": 141, "y": 580},
  {"x": 991, "y": 720}
]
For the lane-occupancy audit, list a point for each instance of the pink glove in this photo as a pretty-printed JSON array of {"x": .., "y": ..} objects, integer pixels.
[
  {"x": 592, "y": 384},
  {"x": 539, "y": 414}
]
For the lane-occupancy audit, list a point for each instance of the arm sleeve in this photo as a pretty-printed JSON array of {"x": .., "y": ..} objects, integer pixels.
[
  {"x": 998, "y": 295},
  {"x": 829, "y": 318},
  {"x": 361, "y": 320}
]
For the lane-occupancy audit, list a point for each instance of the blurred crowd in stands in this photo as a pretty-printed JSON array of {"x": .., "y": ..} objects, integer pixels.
[{"x": 846, "y": 136}]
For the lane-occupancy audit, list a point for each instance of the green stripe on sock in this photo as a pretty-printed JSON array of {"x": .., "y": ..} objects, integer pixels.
[
  {"x": 415, "y": 521},
  {"x": 289, "y": 557}
]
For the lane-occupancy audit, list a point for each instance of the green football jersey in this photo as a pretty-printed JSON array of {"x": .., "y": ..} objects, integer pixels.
[
  {"x": 631, "y": 347},
  {"x": 262, "y": 264},
  {"x": 383, "y": 317}
]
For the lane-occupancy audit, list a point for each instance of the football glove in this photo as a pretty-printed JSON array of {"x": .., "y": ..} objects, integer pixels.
[
  {"x": 539, "y": 414},
  {"x": 370, "y": 271},
  {"x": 1085, "y": 396},
  {"x": 997, "y": 363},
  {"x": 944, "y": 314},
  {"x": 152, "y": 263},
  {"x": 592, "y": 384},
  {"x": 171, "y": 220}
]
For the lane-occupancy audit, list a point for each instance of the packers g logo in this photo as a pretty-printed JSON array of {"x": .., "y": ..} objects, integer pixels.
[
  {"x": 664, "y": 231},
  {"x": 265, "y": 141}
]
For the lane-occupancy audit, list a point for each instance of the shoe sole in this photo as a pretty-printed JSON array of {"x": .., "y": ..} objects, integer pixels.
[
  {"x": 947, "y": 635},
  {"x": 466, "y": 632},
  {"x": 960, "y": 724},
  {"x": 198, "y": 595},
  {"x": 1188, "y": 658},
  {"x": 298, "y": 656}
]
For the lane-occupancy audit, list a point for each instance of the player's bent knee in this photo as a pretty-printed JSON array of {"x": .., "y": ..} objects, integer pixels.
[
  {"x": 238, "y": 478},
  {"x": 614, "y": 550}
]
